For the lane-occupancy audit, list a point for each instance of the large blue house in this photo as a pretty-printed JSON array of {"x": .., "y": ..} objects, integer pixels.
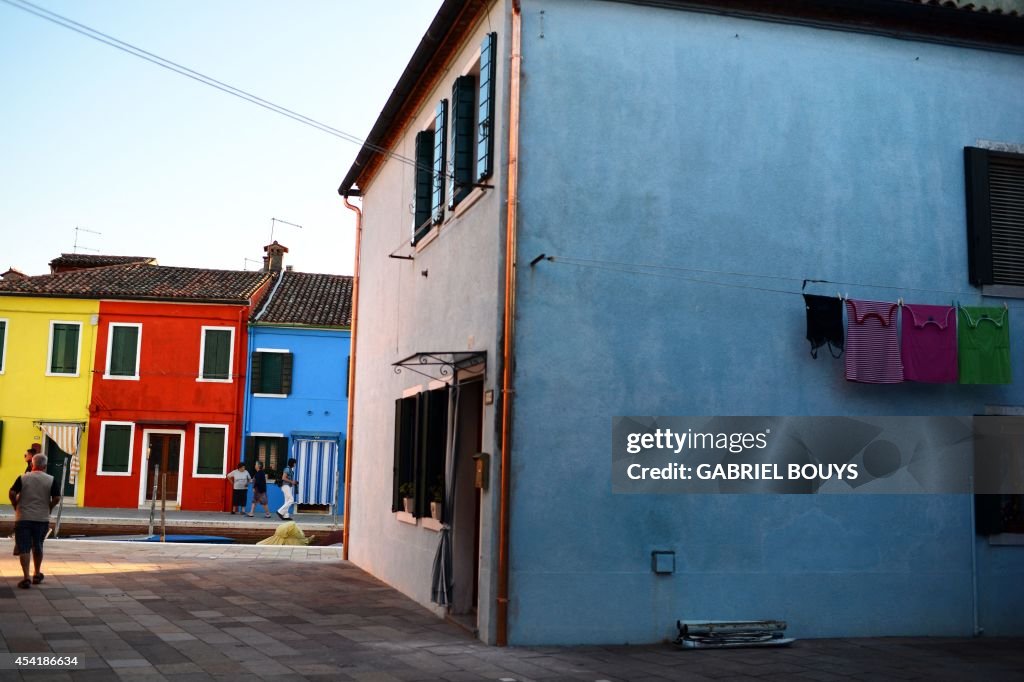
[
  {"x": 614, "y": 209},
  {"x": 297, "y": 384}
]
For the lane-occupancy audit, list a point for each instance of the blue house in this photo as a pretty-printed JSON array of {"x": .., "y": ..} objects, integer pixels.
[
  {"x": 615, "y": 207},
  {"x": 297, "y": 384}
]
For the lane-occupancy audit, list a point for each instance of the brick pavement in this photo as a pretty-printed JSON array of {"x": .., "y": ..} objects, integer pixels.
[{"x": 174, "y": 612}]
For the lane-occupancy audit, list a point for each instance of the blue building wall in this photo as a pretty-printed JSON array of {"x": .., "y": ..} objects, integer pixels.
[
  {"x": 687, "y": 140},
  {"x": 317, "y": 404}
]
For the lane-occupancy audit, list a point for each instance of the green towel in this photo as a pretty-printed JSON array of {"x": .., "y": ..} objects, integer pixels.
[{"x": 983, "y": 339}]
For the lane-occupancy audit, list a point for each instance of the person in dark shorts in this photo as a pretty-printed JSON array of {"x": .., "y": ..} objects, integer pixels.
[
  {"x": 240, "y": 487},
  {"x": 33, "y": 496},
  {"x": 259, "y": 490}
]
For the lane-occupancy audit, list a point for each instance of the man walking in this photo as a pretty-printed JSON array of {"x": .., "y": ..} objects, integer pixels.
[
  {"x": 33, "y": 496},
  {"x": 287, "y": 482}
]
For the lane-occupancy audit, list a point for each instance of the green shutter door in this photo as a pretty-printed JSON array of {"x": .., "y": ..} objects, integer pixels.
[
  {"x": 216, "y": 355},
  {"x": 485, "y": 114},
  {"x": 461, "y": 166},
  {"x": 116, "y": 442},
  {"x": 64, "y": 357},
  {"x": 125, "y": 342},
  {"x": 211, "y": 451},
  {"x": 440, "y": 141},
  {"x": 424, "y": 180}
]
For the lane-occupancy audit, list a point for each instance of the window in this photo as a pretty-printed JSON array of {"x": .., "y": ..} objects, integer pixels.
[
  {"x": 116, "y": 448},
  {"x": 211, "y": 450},
  {"x": 63, "y": 349},
  {"x": 421, "y": 437},
  {"x": 271, "y": 372},
  {"x": 3, "y": 344},
  {"x": 216, "y": 353},
  {"x": 123, "y": 345},
  {"x": 461, "y": 162},
  {"x": 430, "y": 173},
  {"x": 485, "y": 104},
  {"x": 995, "y": 218},
  {"x": 272, "y": 450}
]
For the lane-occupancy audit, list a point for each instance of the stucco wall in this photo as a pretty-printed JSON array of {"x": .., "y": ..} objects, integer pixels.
[
  {"x": 27, "y": 394},
  {"x": 446, "y": 299},
  {"x": 687, "y": 140}
]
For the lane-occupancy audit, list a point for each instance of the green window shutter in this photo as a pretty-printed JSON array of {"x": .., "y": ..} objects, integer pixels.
[
  {"x": 348, "y": 368},
  {"x": 124, "y": 345},
  {"x": 211, "y": 451},
  {"x": 424, "y": 183},
  {"x": 64, "y": 358},
  {"x": 116, "y": 448},
  {"x": 271, "y": 373},
  {"x": 250, "y": 452},
  {"x": 217, "y": 354},
  {"x": 485, "y": 114},
  {"x": 256, "y": 373},
  {"x": 287, "y": 360},
  {"x": 460, "y": 166},
  {"x": 440, "y": 143}
]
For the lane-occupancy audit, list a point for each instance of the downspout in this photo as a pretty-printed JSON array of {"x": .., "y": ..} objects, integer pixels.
[
  {"x": 507, "y": 388},
  {"x": 351, "y": 381}
]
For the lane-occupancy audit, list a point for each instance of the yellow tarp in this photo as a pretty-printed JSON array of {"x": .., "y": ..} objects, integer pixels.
[{"x": 287, "y": 534}]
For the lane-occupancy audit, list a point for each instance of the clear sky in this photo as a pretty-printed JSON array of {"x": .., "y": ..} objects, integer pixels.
[{"x": 166, "y": 167}]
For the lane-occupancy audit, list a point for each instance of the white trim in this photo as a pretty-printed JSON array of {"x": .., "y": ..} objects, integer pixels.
[
  {"x": 5, "y": 338},
  {"x": 410, "y": 392},
  {"x": 202, "y": 354},
  {"x": 271, "y": 350},
  {"x": 435, "y": 384},
  {"x": 103, "y": 440},
  {"x": 269, "y": 395},
  {"x": 145, "y": 465},
  {"x": 262, "y": 434},
  {"x": 110, "y": 351},
  {"x": 195, "y": 452},
  {"x": 49, "y": 350}
]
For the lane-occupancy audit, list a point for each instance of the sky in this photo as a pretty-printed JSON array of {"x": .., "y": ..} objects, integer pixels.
[{"x": 162, "y": 166}]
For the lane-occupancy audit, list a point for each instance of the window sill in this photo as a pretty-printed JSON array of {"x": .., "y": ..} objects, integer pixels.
[
  {"x": 431, "y": 524},
  {"x": 214, "y": 381},
  {"x": 1006, "y": 540},
  {"x": 113, "y": 473},
  {"x": 466, "y": 203},
  {"x": 428, "y": 237},
  {"x": 269, "y": 395},
  {"x": 120, "y": 378},
  {"x": 406, "y": 517},
  {"x": 194, "y": 475},
  {"x": 62, "y": 374}
]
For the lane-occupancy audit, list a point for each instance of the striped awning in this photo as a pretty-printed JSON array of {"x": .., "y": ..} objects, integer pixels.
[
  {"x": 316, "y": 469},
  {"x": 67, "y": 436}
]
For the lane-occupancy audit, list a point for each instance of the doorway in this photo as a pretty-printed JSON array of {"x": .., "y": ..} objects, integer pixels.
[
  {"x": 56, "y": 461},
  {"x": 163, "y": 449},
  {"x": 466, "y": 524}
]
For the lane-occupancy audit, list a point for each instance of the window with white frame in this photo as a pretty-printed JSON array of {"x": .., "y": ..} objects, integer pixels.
[
  {"x": 3, "y": 344},
  {"x": 270, "y": 372},
  {"x": 216, "y": 353},
  {"x": 63, "y": 348},
  {"x": 124, "y": 344},
  {"x": 116, "y": 439},
  {"x": 211, "y": 450},
  {"x": 421, "y": 436}
]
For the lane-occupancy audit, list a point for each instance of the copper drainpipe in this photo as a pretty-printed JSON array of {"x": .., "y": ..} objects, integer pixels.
[
  {"x": 351, "y": 382},
  {"x": 507, "y": 389}
]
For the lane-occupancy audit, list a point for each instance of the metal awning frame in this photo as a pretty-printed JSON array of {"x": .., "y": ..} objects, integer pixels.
[{"x": 440, "y": 365}]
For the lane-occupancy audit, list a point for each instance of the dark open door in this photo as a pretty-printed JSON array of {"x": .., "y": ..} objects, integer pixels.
[
  {"x": 56, "y": 461},
  {"x": 165, "y": 450}
]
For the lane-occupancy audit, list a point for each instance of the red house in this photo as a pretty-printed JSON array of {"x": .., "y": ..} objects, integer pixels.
[{"x": 168, "y": 380}]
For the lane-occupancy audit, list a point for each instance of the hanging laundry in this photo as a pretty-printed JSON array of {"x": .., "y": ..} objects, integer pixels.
[
  {"x": 984, "y": 340},
  {"x": 872, "y": 345},
  {"x": 824, "y": 323},
  {"x": 928, "y": 345}
]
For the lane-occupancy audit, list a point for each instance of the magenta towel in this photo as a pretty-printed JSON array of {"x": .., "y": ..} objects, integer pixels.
[
  {"x": 929, "y": 344},
  {"x": 872, "y": 346}
]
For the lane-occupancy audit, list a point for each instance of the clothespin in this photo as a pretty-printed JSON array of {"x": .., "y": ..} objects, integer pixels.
[{"x": 899, "y": 302}]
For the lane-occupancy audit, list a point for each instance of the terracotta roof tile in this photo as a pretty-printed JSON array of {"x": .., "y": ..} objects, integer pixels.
[
  {"x": 83, "y": 260},
  {"x": 308, "y": 298},
  {"x": 138, "y": 281}
]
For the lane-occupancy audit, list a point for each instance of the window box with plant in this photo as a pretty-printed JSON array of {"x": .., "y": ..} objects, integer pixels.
[
  {"x": 436, "y": 500},
  {"x": 407, "y": 491}
]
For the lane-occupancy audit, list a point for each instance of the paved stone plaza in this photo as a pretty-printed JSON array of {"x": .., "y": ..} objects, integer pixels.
[{"x": 200, "y": 612}]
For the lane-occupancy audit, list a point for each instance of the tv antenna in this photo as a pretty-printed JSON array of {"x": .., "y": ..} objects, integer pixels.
[
  {"x": 245, "y": 265},
  {"x": 273, "y": 221},
  {"x": 76, "y": 247}
]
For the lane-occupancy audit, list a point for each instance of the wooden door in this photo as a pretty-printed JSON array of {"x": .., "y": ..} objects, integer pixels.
[{"x": 165, "y": 451}]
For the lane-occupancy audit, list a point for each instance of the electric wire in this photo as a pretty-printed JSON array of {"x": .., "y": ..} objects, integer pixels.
[{"x": 135, "y": 51}]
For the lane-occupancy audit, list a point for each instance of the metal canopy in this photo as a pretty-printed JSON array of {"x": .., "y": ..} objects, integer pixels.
[{"x": 440, "y": 364}]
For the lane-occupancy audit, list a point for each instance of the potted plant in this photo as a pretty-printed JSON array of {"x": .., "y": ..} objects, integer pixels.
[
  {"x": 407, "y": 491},
  {"x": 436, "y": 500}
]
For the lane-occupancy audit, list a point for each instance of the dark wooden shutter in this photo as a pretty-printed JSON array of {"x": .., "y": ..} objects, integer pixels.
[
  {"x": 116, "y": 442},
  {"x": 404, "y": 471},
  {"x": 463, "y": 114},
  {"x": 396, "y": 500},
  {"x": 440, "y": 143},
  {"x": 217, "y": 354},
  {"x": 3, "y": 340},
  {"x": 424, "y": 183},
  {"x": 286, "y": 373},
  {"x": 211, "y": 451},
  {"x": 256, "y": 373},
  {"x": 64, "y": 358},
  {"x": 250, "y": 452},
  {"x": 435, "y": 445},
  {"x": 125, "y": 342},
  {"x": 485, "y": 113},
  {"x": 348, "y": 368},
  {"x": 995, "y": 216}
]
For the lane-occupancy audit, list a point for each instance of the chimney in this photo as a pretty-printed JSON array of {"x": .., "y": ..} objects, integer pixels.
[{"x": 273, "y": 261}]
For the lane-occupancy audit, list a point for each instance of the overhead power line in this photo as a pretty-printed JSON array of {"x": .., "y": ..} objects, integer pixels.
[{"x": 135, "y": 51}]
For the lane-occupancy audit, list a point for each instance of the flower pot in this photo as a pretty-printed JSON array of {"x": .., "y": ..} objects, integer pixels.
[
  {"x": 435, "y": 511},
  {"x": 408, "y": 503}
]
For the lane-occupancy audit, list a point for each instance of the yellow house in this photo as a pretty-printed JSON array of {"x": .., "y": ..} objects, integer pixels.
[{"x": 46, "y": 361}]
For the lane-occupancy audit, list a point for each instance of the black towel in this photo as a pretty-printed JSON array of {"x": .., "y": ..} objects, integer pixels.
[{"x": 824, "y": 323}]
